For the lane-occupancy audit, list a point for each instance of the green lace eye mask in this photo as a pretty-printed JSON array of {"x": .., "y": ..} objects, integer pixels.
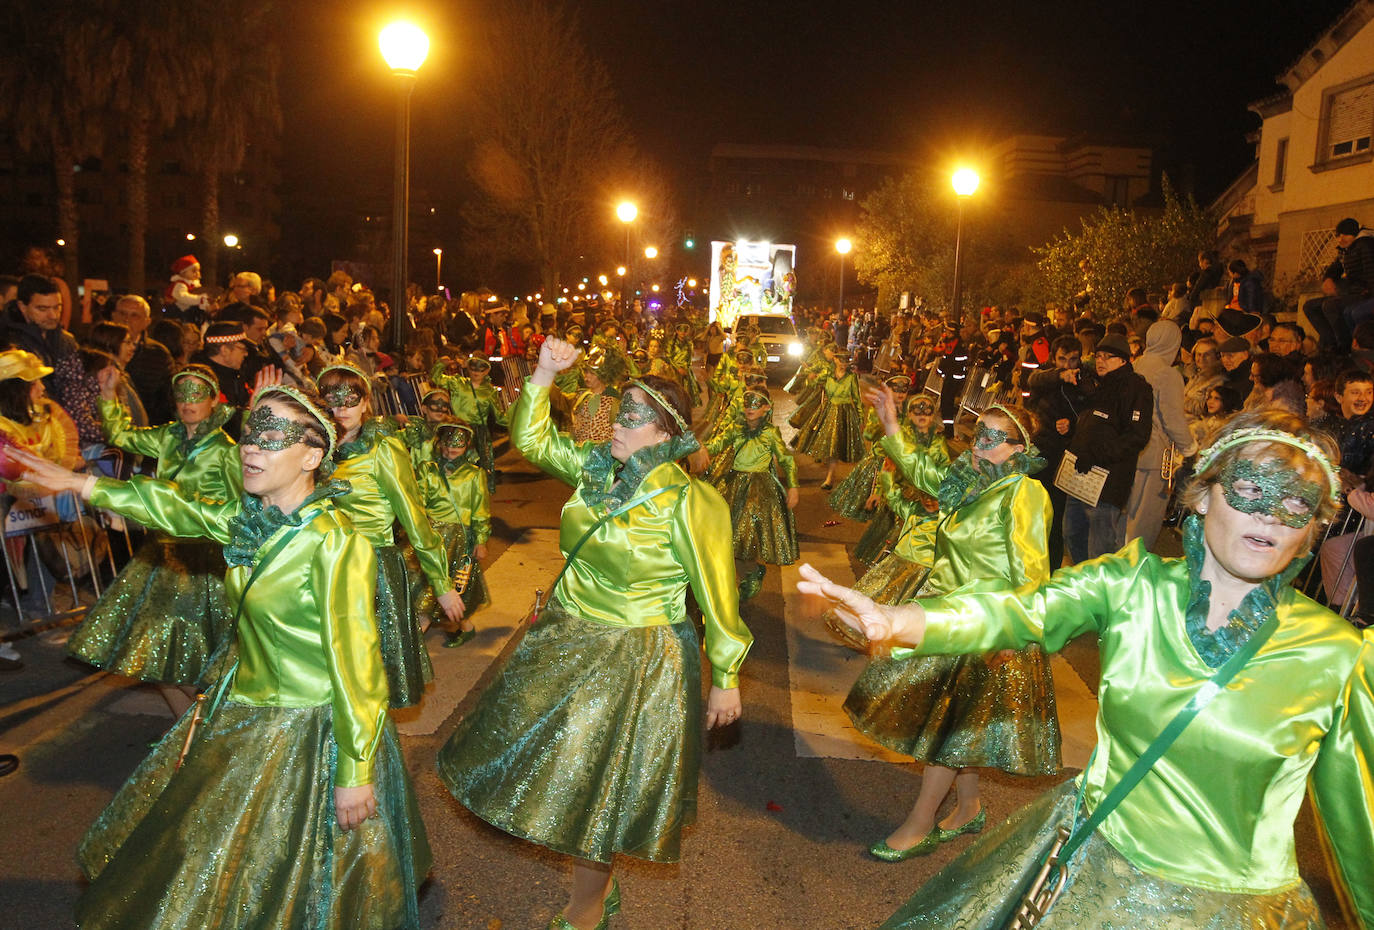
[
  {"x": 191, "y": 390},
  {"x": 987, "y": 438},
  {"x": 1271, "y": 488},
  {"x": 634, "y": 414},
  {"x": 342, "y": 395},
  {"x": 269, "y": 432},
  {"x": 753, "y": 401}
]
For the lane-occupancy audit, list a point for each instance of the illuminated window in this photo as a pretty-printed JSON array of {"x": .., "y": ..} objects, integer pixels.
[{"x": 1348, "y": 122}]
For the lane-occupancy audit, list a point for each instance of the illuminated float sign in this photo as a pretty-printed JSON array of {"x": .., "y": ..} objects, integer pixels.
[{"x": 751, "y": 277}]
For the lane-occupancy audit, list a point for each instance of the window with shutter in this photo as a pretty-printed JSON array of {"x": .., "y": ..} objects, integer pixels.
[{"x": 1349, "y": 121}]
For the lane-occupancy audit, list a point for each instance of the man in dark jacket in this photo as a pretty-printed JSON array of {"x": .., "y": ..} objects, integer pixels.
[
  {"x": 1208, "y": 277},
  {"x": 150, "y": 369},
  {"x": 1057, "y": 397},
  {"x": 33, "y": 322},
  {"x": 1112, "y": 430}
]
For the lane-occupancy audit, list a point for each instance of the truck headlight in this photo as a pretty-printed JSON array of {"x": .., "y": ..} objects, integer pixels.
[{"x": 794, "y": 348}]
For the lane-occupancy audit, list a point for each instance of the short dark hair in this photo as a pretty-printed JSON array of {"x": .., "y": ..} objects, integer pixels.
[
  {"x": 1238, "y": 266},
  {"x": 1136, "y": 296},
  {"x": 107, "y": 337},
  {"x": 169, "y": 334},
  {"x": 1364, "y": 335},
  {"x": 32, "y": 284},
  {"x": 1351, "y": 376},
  {"x": 1293, "y": 328},
  {"x": 1065, "y": 344}
]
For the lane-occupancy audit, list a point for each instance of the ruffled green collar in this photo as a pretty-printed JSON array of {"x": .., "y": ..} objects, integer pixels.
[
  {"x": 448, "y": 466},
  {"x": 371, "y": 432},
  {"x": 607, "y": 483},
  {"x": 1254, "y": 609},
  {"x": 922, "y": 437},
  {"x": 966, "y": 481},
  {"x": 217, "y": 418},
  {"x": 255, "y": 524}
]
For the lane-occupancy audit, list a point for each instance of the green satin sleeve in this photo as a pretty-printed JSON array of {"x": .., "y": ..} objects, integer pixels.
[
  {"x": 786, "y": 464},
  {"x": 220, "y": 475},
  {"x": 1027, "y": 518},
  {"x": 533, "y": 433},
  {"x": 396, "y": 481},
  {"x": 487, "y": 405},
  {"x": 897, "y": 502},
  {"x": 477, "y": 505},
  {"x": 1342, "y": 786},
  {"x": 917, "y": 465},
  {"x": 121, "y": 432},
  {"x": 344, "y": 583},
  {"x": 697, "y": 522},
  {"x": 159, "y": 504}
]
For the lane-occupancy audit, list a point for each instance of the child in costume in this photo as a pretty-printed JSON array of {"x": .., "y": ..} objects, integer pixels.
[
  {"x": 418, "y": 432},
  {"x": 854, "y": 497},
  {"x": 472, "y": 399},
  {"x": 458, "y": 501},
  {"x": 765, "y": 529},
  {"x": 835, "y": 433},
  {"x": 895, "y": 499},
  {"x": 164, "y": 616}
]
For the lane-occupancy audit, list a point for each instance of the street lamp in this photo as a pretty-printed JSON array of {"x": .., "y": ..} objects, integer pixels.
[
  {"x": 404, "y": 47},
  {"x": 231, "y": 240},
  {"x": 843, "y": 246},
  {"x": 626, "y": 212},
  {"x": 651, "y": 252},
  {"x": 965, "y": 182},
  {"x": 620, "y": 270},
  {"x": 438, "y": 268}
]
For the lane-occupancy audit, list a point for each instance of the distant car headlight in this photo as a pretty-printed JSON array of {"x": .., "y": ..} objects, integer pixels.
[{"x": 794, "y": 348}]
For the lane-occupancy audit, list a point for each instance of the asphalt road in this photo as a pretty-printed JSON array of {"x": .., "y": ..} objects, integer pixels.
[{"x": 779, "y": 843}]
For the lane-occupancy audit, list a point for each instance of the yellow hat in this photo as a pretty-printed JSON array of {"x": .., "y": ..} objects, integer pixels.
[{"x": 16, "y": 363}]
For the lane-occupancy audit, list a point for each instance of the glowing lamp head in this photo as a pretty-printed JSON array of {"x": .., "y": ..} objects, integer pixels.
[
  {"x": 651, "y": 252},
  {"x": 620, "y": 270},
  {"x": 404, "y": 46},
  {"x": 627, "y": 212},
  {"x": 965, "y": 182},
  {"x": 231, "y": 240},
  {"x": 843, "y": 246},
  {"x": 438, "y": 251}
]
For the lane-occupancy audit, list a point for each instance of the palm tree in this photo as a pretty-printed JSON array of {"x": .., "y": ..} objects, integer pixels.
[
  {"x": 54, "y": 81},
  {"x": 241, "y": 104}
]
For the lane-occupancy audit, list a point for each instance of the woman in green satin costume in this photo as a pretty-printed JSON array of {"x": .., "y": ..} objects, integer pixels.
[
  {"x": 751, "y": 457},
  {"x": 164, "y": 617},
  {"x": 589, "y": 741},
  {"x": 472, "y": 399},
  {"x": 1205, "y": 838},
  {"x": 292, "y": 809},
  {"x": 959, "y": 714},
  {"x": 835, "y": 433},
  {"x": 383, "y": 493}
]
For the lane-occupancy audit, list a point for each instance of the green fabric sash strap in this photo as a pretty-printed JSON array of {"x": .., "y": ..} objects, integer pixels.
[{"x": 1053, "y": 874}]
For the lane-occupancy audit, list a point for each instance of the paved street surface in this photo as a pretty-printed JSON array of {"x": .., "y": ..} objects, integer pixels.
[{"x": 789, "y": 799}]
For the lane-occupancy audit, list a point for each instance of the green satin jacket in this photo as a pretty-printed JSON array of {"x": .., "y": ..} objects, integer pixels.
[
  {"x": 460, "y": 496},
  {"x": 1217, "y": 810},
  {"x": 209, "y": 468},
  {"x": 635, "y": 569},
  {"x": 842, "y": 390},
  {"x": 470, "y": 403},
  {"x": 998, "y": 538},
  {"x": 917, "y": 541},
  {"x": 307, "y": 634},
  {"x": 385, "y": 492},
  {"x": 759, "y": 452}
]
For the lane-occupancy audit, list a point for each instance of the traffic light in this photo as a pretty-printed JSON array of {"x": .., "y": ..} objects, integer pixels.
[{"x": 689, "y": 240}]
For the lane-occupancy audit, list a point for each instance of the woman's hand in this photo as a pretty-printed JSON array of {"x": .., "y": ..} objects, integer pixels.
[
  {"x": 354, "y": 805},
  {"x": 793, "y": 497},
  {"x": 883, "y": 626},
  {"x": 452, "y": 605},
  {"x": 268, "y": 376},
  {"x": 698, "y": 461},
  {"x": 723, "y": 707},
  {"x": 479, "y": 552},
  {"x": 871, "y": 502},
  {"x": 884, "y": 403},
  {"x": 108, "y": 379},
  {"x": 50, "y": 476},
  {"x": 1362, "y": 501},
  {"x": 555, "y": 355}
]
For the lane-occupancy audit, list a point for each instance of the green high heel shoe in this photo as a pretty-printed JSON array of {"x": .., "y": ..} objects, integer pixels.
[
  {"x": 455, "y": 640},
  {"x": 975, "y": 825},
  {"x": 610, "y": 905},
  {"x": 880, "y": 849},
  {"x": 751, "y": 584}
]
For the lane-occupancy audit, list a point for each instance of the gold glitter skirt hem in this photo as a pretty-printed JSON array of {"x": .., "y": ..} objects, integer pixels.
[
  {"x": 881, "y": 534},
  {"x": 852, "y": 493},
  {"x": 836, "y": 432},
  {"x": 407, "y": 663},
  {"x": 588, "y": 742},
  {"x": 765, "y": 529},
  {"x": 981, "y": 889}
]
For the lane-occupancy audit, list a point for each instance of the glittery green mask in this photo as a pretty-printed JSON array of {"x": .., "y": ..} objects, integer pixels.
[
  {"x": 987, "y": 438},
  {"x": 342, "y": 395},
  {"x": 754, "y": 401},
  {"x": 1272, "y": 488},
  {"x": 634, "y": 414},
  {"x": 269, "y": 432},
  {"x": 190, "y": 390}
]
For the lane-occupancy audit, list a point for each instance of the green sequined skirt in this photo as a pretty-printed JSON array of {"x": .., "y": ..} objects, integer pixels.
[
  {"x": 475, "y": 595},
  {"x": 835, "y": 432},
  {"x": 244, "y": 835},
  {"x": 481, "y": 444},
  {"x": 589, "y": 741},
  {"x": 982, "y": 888},
  {"x": 765, "y": 529},
  {"x": 849, "y": 495},
  {"x": 808, "y": 403},
  {"x": 881, "y": 534},
  {"x": 162, "y": 617},
  {"x": 408, "y": 668},
  {"x": 987, "y": 711}
]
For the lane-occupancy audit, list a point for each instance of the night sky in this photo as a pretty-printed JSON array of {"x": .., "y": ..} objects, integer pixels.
[{"x": 928, "y": 79}]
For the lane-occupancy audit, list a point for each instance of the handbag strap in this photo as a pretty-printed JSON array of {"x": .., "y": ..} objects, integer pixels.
[
  {"x": 271, "y": 554},
  {"x": 623, "y": 508},
  {"x": 1204, "y": 696}
]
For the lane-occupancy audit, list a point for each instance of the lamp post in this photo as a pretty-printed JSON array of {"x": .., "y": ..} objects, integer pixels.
[
  {"x": 438, "y": 269},
  {"x": 843, "y": 246},
  {"x": 404, "y": 47},
  {"x": 965, "y": 182},
  {"x": 626, "y": 213}
]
